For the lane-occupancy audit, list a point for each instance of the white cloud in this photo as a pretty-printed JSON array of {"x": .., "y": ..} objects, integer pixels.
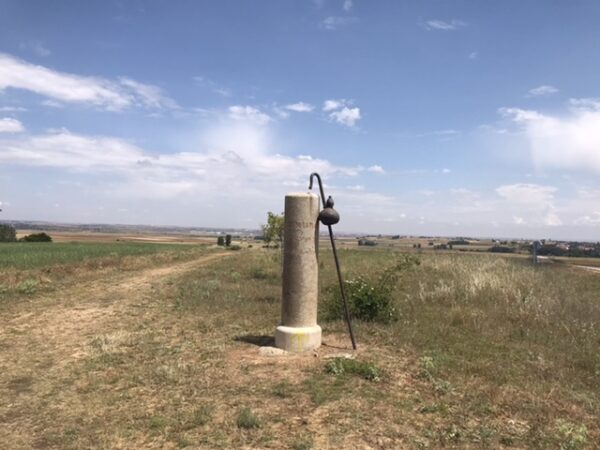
[
  {"x": 356, "y": 187},
  {"x": 473, "y": 55},
  {"x": 70, "y": 88},
  {"x": 249, "y": 114},
  {"x": 562, "y": 143},
  {"x": 346, "y": 116},
  {"x": 235, "y": 160},
  {"x": 281, "y": 112},
  {"x": 330, "y": 105},
  {"x": 530, "y": 194},
  {"x": 376, "y": 169},
  {"x": 53, "y": 103},
  {"x": 215, "y": 87},
  {"x": 543, "y": 90},
  {"x": 300, "y": 107},
  {"x": 36, "y": 47},
  {"x": 333, "y": 23},
  {"x": 591, "y": 219},
  {"x": 584, "y": 104},
  {"x": 147, "y": 94},
  {"x": 71, "y": 151},
  {"x": 341, "y": 111},
  {"x": 533, "y": 200},
  {"x": 347, "y": 5},
  {"x": 12, "y": 109},
  {"x": 451, "y": 25},
  {"x": 9, "y": 125}
]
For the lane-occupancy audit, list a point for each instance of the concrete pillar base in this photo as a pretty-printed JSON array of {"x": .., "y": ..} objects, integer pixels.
[{"x": 298, "y": 339}]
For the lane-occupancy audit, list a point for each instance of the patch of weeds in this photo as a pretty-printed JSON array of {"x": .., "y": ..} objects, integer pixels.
[
  {"x": 369, "y": 299},
  {"x": 259, "y": 273},
  {"x": 201, "y": 416},
  {"x": 267, "y": 299},
  {"x": 282, "y": 390},
  {"x": 183, "y": 441},
  {"x": 484, "y": 434},
  {"x": 481, "y": 408},
  {"x": 166, "y": 374},
  {"x": 363, "y": 369},
  {"x": 28, "y": 286},
  {"x": 234, "y": 247},
  {"x": 426, "y": 367},
  {"x": 452, "y": 433},
  {"x": 434, "y": 408},
  {"x": 247, "y": 419},
  {"x": 572, "y": 436},
  {"x": 21, "y": 383},
  {"x": 213, "y": 285},
  {"x": 442, "y": 387},
  {"x": 158, "y": 422},
  {"x": 304, "y": 443},
  {"x": 321, "y": 390},
  {"x": 235, "y": 276}
]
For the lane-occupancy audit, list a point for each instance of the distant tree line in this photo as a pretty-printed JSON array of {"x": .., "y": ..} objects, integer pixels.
[
  {"x": 575, "y": 249},
  {"x": 8, "y": 233},
  {"x": 459, "y": 241},
  {"x": 367, "y": 242},
  {"x": 501, "y": 249}
]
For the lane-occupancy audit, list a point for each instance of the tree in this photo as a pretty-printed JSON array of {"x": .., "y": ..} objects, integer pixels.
[
  {"x": 227, "y": 240},
  {"x": 221, "y": 241},
  {"x": 7, "y": 233},
  {"x": 36, "y": 237},
  {"x": 273, "y": 230}
]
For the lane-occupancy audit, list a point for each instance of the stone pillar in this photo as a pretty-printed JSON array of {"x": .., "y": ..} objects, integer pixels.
[{"x": 298, "y": 331}]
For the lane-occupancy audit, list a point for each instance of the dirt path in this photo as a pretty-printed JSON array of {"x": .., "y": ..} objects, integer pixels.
[
  {"x": 593, "y": 269},
  {"x": 40, "y": 337},
  {"x": 61, "y": 327}
]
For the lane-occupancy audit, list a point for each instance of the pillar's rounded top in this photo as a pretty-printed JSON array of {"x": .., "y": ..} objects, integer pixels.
[{"x": 301, "y": 194}]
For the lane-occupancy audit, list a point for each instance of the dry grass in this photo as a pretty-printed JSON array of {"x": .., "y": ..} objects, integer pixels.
[{"x": 488, "y": 352}]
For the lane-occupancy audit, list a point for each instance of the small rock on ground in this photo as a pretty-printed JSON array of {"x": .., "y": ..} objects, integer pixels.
[
  {"x": 339, "y": 355},
  {"x": 271, "y": 351}
]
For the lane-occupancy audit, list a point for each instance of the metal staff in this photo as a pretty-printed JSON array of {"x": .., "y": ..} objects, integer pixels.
[{"x": 329, "y": 216}]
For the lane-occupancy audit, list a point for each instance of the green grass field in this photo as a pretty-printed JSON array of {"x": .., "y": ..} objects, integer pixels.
[
  {"x": 25, "y": 255},
  {"x": 28, "y": 267},
  {"x": 487, "y": 352}
]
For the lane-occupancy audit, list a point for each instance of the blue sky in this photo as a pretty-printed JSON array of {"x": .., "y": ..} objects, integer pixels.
[{"x": 431, "y": 117}]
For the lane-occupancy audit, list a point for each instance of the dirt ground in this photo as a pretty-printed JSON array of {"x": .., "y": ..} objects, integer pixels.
[{"x": 38, "y": 339}]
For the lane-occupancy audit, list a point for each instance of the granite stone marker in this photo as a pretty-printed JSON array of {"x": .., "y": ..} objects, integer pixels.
[{"x": 298, "y": 331}]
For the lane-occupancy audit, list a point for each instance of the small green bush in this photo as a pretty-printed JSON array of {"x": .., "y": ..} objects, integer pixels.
[
  {"x": 235, "y": 247},
  {"x": 304, "y": 443},
  {"x": 247, "y": 419},
  {"x": 259, "y": 273},
  {"x": 369, "y": 300},
  {"x": 573, "y": 437},
  {"x": 342, "y": 366},
  {"x": 201, "y": 415},
  {"x": 28, "y": 286}
]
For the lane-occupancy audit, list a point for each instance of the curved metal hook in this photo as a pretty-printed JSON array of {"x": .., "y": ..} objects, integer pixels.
[
  {"x": 310, "y": 186},
  {"x": 329, "y": 203}
]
